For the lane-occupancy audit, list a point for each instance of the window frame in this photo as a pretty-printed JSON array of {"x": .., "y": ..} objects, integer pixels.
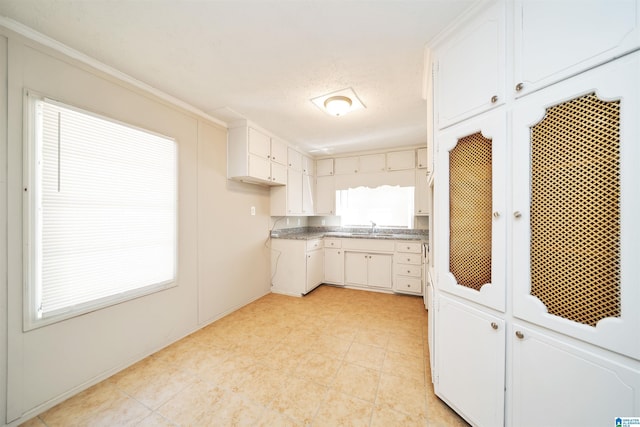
[{"x": 32, "y": 193}]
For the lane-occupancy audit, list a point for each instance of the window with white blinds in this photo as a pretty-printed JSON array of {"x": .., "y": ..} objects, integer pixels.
[{"x": 102, "y": 212}]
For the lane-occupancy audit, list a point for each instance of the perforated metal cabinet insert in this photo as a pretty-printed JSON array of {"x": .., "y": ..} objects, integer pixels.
[
  {"x": 470, "y": 202},
  {"x": 575, "y": 210}
]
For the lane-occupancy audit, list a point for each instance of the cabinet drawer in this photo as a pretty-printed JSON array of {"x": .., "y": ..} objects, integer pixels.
[
  {"x": 314, "y": 244},
  {"x": 409, "y": 258},
  {"x": 332, "y": 243},
  {"x": 409, "y": 270},
  {"x": 407, "y": 284},
  {"x": 412, "y": 247}
]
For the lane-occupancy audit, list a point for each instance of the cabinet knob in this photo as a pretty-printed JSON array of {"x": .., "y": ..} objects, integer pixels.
[
  {"x": 494, "y": 325},
  {"x": 517, "y": 214},
  {"x": 268, "y": 157},
  {"x": 519, "y": 334},
  {"x": 355, "y": 171},
  {"x": 274, "y": 157},
  {"x": 496, "y": 214},
  {"x": 408, "y": 259},
  {"x": 408, "y": 271},
  {"x": 419, "y": 210},
  {"x": 519, "y": 87},
  {"x": 494, "y": 99},
  {"x": 338, "y": 252},
  {"x": 330, "y": 173}
]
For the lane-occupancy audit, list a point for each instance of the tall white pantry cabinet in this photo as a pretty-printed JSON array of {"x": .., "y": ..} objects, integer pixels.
[{"x": 536, "y": 211}]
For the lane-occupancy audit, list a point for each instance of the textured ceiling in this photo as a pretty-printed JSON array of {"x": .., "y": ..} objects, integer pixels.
[{"x": 265, "y": 60}]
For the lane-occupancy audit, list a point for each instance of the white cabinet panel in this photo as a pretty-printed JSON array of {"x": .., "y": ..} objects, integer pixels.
[
  {"x": 560, "y": 38},
  {"x": 294, "y": 159},
  {"x": 333, "y": 265},
  {"x": 325, "y": 195},
  {"x": 259, "y": 167},
  {"x": 421, "y": 195},
  {"x": 315, "y": 269},
  {"x": 355, "y": 268},
  {"x": 324, "y": 167},
  {"x": 470, "y": 68},
  {"x": 579, "y": 387},
  {"x": 423, "y": 161},
  {"x": 346, "y": 165},
  {"x": 401, "y": 160},
  {"x": 259, "y": 143},
  {"x": 308, "y": 190},
  {"x": 615, "y": 333},
  {"x": 492, "y": 127},
  {"x": 379, "y": 270},
  {"x": 279, "y": 151},
  {"x": 372, "y": 163},
  {"x": 278, "y": 173},
  {"x": 294, "y": 192},
  {"x": 308, "y": 165},
  {"x": 470, "y": 356}
]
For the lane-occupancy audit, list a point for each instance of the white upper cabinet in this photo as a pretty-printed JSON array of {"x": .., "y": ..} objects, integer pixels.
[
  {"x": 255, "y": 157},
  {"x": 346, "y": 165},
  {"x": 401, "y": 160},
  {"x": 470, "y": 68},
  {"x": 308, "y": 166},
  {"x": 325, "y": 195},
  {"x": 575, "y": 205},
  {"x": 295, "y": 159},
  {"x": 279, "y": 151},
  {"x": 324, "y": 167},
  {"x": 259, "y": 143},
  {"x": 372, "y": 163},
  {"x": 560, "y": 38},
  {"x": 472, "y": 225},
  {"x": 423, "y": 159}
]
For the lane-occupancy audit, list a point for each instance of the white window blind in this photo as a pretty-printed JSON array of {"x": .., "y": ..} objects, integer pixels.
[{"x": 102, "y": 211}]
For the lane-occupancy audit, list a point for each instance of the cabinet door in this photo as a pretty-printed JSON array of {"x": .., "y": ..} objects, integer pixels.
[
  {"x": 372, "y": 163},
  {"x": 259, "y": 167},
  {"x": 315, "y": 269},
  {"x": 345, "y": 165},
  {"x": 470, "y": 356},
  {"x": 472, "y": 224},
  {"x": 575, "y": 207},
  {"x": 294, "y": 159},
  {"x": 421, "y": 195},
  {"x": 470, "y": 68},
  {"x": 308, "y": 185},
  {"x": 575, "y": 386},
  {"x": 422, "y": 158},
  {"x": 294, "y": 192},
  {"x": 308, "y": 166},
  {"x": 325, "y": 195},
  {"x": 557, "y": 39},
  {"x": 334, "y": 266},
  {"x": 259, "y": 143},
  {"x": 279, "y": 151},
  {"x": 278, "y": 173},
  {"x": 401, "y": 160},
  {"x": 355, "y": 268},
  {"x": 324, "y": 167},
  {"x": 379, "y": 270}
]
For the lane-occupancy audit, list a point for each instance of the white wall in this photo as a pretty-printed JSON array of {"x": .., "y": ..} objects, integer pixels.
[
  {"x": 3, "y": 225},
  {"x": 218, "y": 238}
]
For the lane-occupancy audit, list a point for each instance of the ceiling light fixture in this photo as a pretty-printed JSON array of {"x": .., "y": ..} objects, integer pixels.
[{"x": 338, "y": 103}]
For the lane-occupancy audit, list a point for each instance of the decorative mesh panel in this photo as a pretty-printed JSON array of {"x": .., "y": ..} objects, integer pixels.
[
  {"x": 470, "y": 200},
  {"x": 575, "y": 210}
]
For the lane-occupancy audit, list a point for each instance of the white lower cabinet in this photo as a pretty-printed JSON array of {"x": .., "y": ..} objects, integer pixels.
[
  {"x": 315, "y": 269},
  {"x": 368, "y": 269},
  {"x": 297, "y": 266},
  {"x": 334, "y": 266},
  {"x": 470, "y": 357},
  {"x": 558, "y": 383}
]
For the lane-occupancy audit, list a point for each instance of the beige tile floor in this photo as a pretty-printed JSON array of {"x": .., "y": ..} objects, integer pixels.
[{"x": 337, "y": 357}]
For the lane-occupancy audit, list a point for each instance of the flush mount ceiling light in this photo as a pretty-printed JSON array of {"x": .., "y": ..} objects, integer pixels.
[{"x": 338, "y": 103}]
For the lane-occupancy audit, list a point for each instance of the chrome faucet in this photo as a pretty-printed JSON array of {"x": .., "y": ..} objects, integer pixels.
[{"x": 373, "y": 227}]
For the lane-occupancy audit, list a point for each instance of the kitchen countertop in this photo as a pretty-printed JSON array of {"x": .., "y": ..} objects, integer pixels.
[{"x": 310, "y": 234}]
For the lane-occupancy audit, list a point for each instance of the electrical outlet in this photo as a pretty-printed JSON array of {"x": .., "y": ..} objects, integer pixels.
[
  {"x": 323, "y": 222},
  {"x": 287, "y": 221},
  {"x": 298, "y": 221},
  {"x": 253, "y": 210}
]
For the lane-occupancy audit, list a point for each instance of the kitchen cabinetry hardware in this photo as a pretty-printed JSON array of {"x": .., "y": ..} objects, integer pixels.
[
  {"x": 494, "y": 325},
  {"x": 517, "y": 214},
  {"x": 519, "y": 334},
  {"x": 519, "y": 87},
  {"x": 494, "y": 99}
]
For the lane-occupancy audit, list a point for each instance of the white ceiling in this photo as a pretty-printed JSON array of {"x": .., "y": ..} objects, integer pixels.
[{"x": 266, "y": 59}]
